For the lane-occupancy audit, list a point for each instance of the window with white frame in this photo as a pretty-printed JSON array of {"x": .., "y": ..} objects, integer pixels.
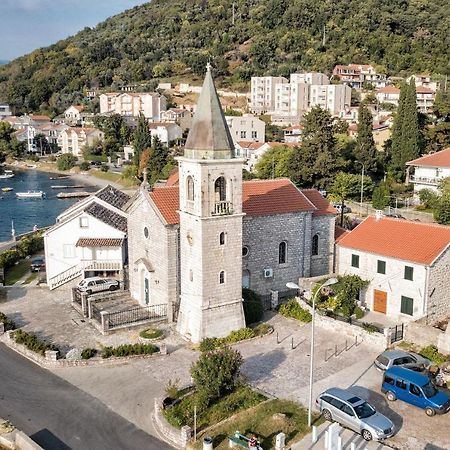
[
  {"x": 84, "y": 222},
  {"x": 69, "y": 251}
]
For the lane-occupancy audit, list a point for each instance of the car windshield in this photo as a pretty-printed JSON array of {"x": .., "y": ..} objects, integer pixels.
[
  {"x": 429, "y": 390},
  {"x": 364, "y": 410}
]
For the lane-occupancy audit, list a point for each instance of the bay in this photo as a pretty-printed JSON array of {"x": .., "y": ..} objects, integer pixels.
[{"x": 26, "y": 213}]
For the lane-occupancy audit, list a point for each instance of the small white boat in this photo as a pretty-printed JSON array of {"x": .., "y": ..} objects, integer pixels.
[
  {"x": 6, "y": 174},
  {"x": 30, "y": 194},
  {"x": 7, "y": 189}
]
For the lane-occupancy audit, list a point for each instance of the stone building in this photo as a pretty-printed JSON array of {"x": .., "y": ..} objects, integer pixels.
[{"x": 195, "y": 243}]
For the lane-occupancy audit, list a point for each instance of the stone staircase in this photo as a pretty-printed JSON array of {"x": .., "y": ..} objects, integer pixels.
[{"x": 64, "y": 277}]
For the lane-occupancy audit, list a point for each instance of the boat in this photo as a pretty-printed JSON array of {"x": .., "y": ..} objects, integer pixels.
[
  {"x": 6, "y": 174},
  {"x": 30, "y": 194},
  {"x": 7, "y": 189},
  {"x": 73, "y": 194},
  {"x": 59, "y": 178},
  {"x": 67, "y": 186}
]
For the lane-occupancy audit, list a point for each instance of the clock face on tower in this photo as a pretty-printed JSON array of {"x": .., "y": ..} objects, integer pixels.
[{"x": 190, "y": 237}]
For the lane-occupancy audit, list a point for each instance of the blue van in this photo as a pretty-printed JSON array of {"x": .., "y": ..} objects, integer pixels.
[{"x": 414, "y": 388}]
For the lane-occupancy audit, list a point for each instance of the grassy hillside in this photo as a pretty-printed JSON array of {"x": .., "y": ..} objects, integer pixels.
[{"x": 169, "y": 38}]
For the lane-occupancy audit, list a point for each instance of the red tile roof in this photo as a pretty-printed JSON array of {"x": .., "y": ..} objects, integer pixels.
[
  {"x": 167, "y": 200},
  {"x": 339, "y": 233},
  {"x": 320, "y": 202},
  {"x": 401, "y": 239},
  {"x": 250, "y": 144},
  {"x": 438, "y": 159},
  {"x": 389, "y": 90},
  {"x": 259, "y": 198},
  {"x": 424, "y": 90},
  {"x": 173, "y": 179},
  {"x": 40, "y": 118},
  {"x": 99, "y": 242}
]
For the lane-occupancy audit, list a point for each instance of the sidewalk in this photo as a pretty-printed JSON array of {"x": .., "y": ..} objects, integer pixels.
[{"x": 347, "y": 438}]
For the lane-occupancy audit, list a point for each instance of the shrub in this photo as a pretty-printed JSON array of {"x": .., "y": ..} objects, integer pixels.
[
  {"x": 208, "y": 344},
  {"x": 358, "y": 312},
  {"x": 34, "y": 158},
  {"x": 151, "y": 333},
  {"x": 8, "y": 324},
  {"x": 216, "y": 373},
  {"x": 104, "y": 168},
  {"x": 253, "y": 308},
  {"x": 52, "y": 158},
  {"x": 431, "y": 352},
  {"x": 32, "y": 342},
  {"x": 293, "y": 309},
  {"x": 129, "y": 349},
  {"x": 66, "y": 161},
  {"x": 262, "y": 328},
  {"x": 88, "y": 353},
  {"x": 240, "y": 335},
  {"x": 370, "y": 328},
  {"x": 171, "y": 388},
  {"x": 84, "y": 166}
]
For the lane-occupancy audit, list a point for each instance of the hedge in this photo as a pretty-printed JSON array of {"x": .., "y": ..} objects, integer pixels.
[
  {"x": 9, "y": 324},
  {"x": 32, "y": 342},
  {"x": 129, "y": 349}
]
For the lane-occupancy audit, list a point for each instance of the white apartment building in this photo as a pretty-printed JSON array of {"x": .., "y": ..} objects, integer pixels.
[
  {"x": 73, "y": 140},
  {"x": 424, "y": 96},
  {"x": 262, "y": 98},
  {"x": 166, "y": 132},
  {"x": 150, "y": 104},
  {"x": 246, "y": 128},
  {"x": 334, "y": 97},
  {"x": 429, "y": 171},
  {"x": 309, "y": 78}
]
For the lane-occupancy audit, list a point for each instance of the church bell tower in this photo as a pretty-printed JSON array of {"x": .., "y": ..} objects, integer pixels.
[{"x": 210, "y": 224}]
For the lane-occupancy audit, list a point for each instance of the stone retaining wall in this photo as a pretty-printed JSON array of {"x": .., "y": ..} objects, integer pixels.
[
  {"x": 50, "y": 360},
  {"x": 374, "y": 339},
  {"x": 421, "y": 334}
]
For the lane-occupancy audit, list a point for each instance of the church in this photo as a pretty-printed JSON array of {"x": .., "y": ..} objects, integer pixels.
[{"x": 195, "y": 242}]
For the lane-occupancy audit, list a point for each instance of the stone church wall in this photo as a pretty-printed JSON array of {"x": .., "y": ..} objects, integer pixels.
[
  {"x": 262, "y": 236},
  {"x": 160, "y": 249},
  {"x": 322, "y": 263},
  {"x": 439, "y": 288}
]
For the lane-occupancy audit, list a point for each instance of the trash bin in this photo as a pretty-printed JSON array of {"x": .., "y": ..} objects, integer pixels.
[{"x": 208, "y": 443}]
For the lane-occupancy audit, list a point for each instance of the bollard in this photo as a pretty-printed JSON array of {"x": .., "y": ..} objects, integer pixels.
[
  {"x": 207, "y": 443},
  {"x": 280, "y": 441},
  {"x": 314, "y": 434},
  {"x": 292, "y": 343},
  {"x": 335, "y": 350},
  {"x": 277, "y": 338}
]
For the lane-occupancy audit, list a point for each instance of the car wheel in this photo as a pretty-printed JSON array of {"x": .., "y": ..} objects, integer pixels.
[
  {"x": 430, "y": 412},
  {"x": 327, "y": 415},
  {"x": 367, "y": 435},
  {"x": 391, "y": 396}
]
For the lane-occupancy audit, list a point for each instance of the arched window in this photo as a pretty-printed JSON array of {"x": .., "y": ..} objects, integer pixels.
[
  {"x": 282, "y": 253},
  {"x": 315, "y": 245},
  {"x": 220, "y": 189},
  {"x": 222, "y": 277},
  {"x": 246, "y": 279},
  {"x": 222, "y": 238},
  {"x": 190, "y": 188}
]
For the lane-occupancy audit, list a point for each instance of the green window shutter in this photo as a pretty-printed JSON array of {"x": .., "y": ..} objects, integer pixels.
[
  {"x": 407, "y": 306},
  {"x": 409, "y": 273},
  {"x": 355, "y": 260},
  {"x": 381, "y": 267}
]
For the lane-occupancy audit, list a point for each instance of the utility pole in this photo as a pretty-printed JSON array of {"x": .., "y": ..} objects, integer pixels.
[{"x": 362, "y": 191}]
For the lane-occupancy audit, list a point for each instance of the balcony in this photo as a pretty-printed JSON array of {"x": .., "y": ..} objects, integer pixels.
[
  {"x": 222, "y": 209},
  {"x": 425, "y": 180},
  {"x": 114, "y": 265}
]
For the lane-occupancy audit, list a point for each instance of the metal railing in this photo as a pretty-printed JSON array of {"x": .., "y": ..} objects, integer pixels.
[
  {"x": 64, "y": 277},
  {"x": 77, "y": 296},
  {"x": 425, "y": 180},
  {"x": 135, "y": 314},
  {"x": 222, "y": 208},
  {"x": 96, "y": 313},
  {"x": 101, "y": 265}
]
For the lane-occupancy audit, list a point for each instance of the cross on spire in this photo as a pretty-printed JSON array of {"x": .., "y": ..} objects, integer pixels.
[{"x": 208, "y": 66}]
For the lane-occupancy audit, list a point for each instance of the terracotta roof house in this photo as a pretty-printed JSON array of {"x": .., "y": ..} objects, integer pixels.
[
  {"x": 407, "y": 264},
  {"x": 428, "y": 171}
]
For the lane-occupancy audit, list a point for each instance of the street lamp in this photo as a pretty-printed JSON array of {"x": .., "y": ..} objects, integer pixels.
[{"x": 328, "y": 282}]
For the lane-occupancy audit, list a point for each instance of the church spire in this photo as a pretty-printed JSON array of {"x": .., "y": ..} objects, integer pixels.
[{"x": 209, "y": 136}]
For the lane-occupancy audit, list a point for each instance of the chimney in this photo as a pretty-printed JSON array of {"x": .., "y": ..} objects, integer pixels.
[{"x": 378, "y": 214}]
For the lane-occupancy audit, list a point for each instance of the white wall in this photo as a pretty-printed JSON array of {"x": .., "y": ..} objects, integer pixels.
[
  {"x": 392, "y": 282},
  {"x": 68, "y": 234}
]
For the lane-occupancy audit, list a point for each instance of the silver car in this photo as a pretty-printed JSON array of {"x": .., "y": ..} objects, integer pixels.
[
  {"x": 400, "y": 358},
  {"x": 97, "y": 284},
  {"x": 353, "y": 412}
]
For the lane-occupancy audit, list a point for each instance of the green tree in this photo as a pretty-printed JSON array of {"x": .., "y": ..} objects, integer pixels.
[
  {"x": 274, "y": 162},
  {"x": 216, "y": 373},
  {"x": 381, "y": 196},
  {"x": 316, "y": 161},
  {"x": 157, "y": 160},
  {"x": 442, "y": 209},
  {"x": 365, "y": 150},
  {"x": 41, "y": 143},
  {"x": 142, "y": 139},
  {"x": 66, "y": 161}
]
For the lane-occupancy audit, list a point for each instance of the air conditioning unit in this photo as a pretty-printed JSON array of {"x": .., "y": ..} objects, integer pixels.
[{"x": 268, "y": 273}]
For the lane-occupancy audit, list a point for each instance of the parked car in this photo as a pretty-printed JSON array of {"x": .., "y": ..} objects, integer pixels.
[
  {"x": 400, "y": 358},
  {"x": 97, "y": 284},
  {"x": 416, "y": 389},
  {"x": 96, "y": 163},
  {"x": 338, "y": 207},
  {"x": 394, "y": 216},
  {"x": 37, "y": 264},
  {"x": 353, "y": 412}
]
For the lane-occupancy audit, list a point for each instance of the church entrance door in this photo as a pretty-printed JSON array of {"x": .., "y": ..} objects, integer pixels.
[{"x": 146, "y": 291}]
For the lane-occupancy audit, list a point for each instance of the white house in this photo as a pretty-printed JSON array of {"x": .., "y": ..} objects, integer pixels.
[
  {"x": 429, "y": 170},
  {"x": 246, "y": 128},
  {"x": 88, "y": 239},
  {"x": 5, "y": 110},
  {"x": 293, "y": 134},
  {"x": 166, "y": 132},
  {"x": 150, "y": 104},
  {"x": 263, "y": 93},
  {"x": 251, "y": 151},
  {"x": 73, "y": 113},
  {"x": 406, "y": 263},
  {"x": 73, "y": 140}
]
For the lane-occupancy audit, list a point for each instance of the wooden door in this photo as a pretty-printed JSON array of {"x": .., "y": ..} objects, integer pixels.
[{"x": 379, "y": 301}]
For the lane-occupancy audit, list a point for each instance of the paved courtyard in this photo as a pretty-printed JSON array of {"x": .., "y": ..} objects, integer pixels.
[{"x": 277, "y": 364}]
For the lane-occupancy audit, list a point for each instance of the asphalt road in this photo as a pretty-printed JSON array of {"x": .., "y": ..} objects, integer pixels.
[{"x": 58, "y": 416}]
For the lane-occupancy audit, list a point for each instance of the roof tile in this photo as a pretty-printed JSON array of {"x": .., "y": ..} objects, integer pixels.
[
  {"x": 401, "y": 239},
  {"x": 438, "y": 159}
]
